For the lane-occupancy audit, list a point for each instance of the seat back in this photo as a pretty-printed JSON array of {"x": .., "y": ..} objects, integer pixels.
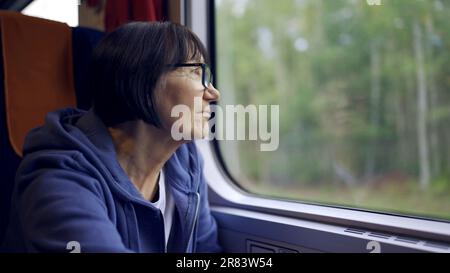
[
  {"x": 83, "y": 40},
  {"x": 43, "y": 67}
]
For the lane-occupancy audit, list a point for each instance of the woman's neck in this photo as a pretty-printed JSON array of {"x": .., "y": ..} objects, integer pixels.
[{"x": 142, "y": 150}]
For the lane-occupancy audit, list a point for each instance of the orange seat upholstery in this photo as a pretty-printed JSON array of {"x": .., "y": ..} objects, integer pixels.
[{"x": 38, "y": 71}]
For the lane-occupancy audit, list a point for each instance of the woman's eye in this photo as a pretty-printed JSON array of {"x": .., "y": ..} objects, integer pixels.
[{"x": 197, "y": 72}]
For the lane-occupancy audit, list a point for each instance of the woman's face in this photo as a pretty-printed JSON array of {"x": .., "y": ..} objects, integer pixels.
[{"x": 184, "y": 86}]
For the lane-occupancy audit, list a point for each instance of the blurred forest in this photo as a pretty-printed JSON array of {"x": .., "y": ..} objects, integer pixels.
[{"x": 364, "y": 95}]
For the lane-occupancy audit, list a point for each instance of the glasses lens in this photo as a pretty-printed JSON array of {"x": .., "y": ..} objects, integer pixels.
[{"x": 207, "y": 76}]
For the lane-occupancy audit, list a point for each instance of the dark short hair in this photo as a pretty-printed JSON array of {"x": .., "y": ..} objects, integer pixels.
[{"x": 127, "y": 64}]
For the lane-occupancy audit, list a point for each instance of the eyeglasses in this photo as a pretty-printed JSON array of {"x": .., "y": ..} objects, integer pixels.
[{"x": 206, "y": 71}]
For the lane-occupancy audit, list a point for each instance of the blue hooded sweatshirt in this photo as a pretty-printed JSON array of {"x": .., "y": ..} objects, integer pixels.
[{"x": 70, "y": 187}]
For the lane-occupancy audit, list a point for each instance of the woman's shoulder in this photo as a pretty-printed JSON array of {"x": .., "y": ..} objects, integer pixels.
[
  {"x": 51, "y": 160},
  {"x": 55, "y": 169}
]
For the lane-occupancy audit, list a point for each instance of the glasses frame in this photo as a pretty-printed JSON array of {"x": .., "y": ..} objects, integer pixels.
[{"x": 205, "y": 81}]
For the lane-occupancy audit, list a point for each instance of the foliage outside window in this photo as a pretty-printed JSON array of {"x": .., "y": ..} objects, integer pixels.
[{"x": 364, "y": 95}]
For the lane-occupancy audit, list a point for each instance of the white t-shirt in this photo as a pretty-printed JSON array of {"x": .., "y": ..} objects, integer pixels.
[{"x": 166, "y": 204}]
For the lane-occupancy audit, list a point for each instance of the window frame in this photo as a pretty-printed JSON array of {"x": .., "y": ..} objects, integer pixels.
[{"x": 225, "y": 192}]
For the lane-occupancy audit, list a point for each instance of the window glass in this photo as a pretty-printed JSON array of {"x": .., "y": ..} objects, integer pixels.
[
  {"x": 65, "y": 11},
  {"x": 363, "y": 88}
]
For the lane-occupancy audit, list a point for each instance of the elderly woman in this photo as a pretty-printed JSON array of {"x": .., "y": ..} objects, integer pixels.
[{"x": 113, "y": 179}]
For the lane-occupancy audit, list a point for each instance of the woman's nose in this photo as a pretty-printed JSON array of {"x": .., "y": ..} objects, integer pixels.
[{"x": 211, "y": 93}]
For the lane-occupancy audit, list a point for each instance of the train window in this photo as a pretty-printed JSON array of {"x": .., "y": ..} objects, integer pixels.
[
  {"x": 364, "y": 108},
  {"x": 65, "y": 11}
]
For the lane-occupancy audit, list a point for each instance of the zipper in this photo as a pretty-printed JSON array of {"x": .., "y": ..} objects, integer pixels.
[{"x": 197, "y": 206}]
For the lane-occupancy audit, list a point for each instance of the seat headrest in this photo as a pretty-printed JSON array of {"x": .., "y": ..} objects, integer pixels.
[{"x": 38, "y": 71}]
